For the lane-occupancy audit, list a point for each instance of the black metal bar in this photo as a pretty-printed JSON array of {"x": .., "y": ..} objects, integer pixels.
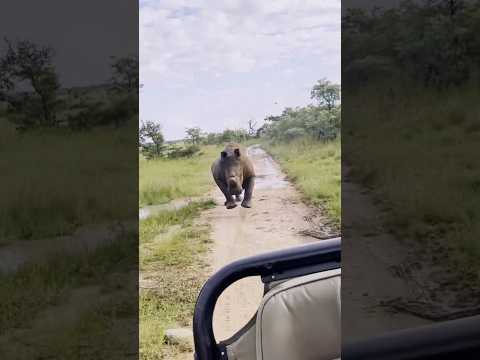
[
  {"x": 454, "y": 339},
  {"x": 277, "y": 276},
  {"x": 206, "y": 348}
]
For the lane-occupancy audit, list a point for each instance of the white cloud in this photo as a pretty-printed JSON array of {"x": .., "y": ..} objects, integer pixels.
[
  {"x": 181, "y": 37},
  {"x": 217, "y": 63}
]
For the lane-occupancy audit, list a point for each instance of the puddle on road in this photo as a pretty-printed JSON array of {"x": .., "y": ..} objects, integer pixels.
[
  {"x": 269, "y": 175},
  {"x": 150, "y": 210}
]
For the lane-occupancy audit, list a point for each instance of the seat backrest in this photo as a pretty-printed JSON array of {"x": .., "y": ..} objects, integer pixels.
[
  {"x": 297, "y": 319},
  {"x": 300, "y": 319}
]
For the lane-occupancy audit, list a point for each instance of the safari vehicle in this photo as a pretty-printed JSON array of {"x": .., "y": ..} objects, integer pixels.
[{"x": 299, "y": 315}]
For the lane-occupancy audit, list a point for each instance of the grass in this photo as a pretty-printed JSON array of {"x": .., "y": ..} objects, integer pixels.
[
  {"x": 171, "y": 251},
  {"x": 87, "y": 328},
  {"x": 417, "y": 149},
  {"x": 97, "y": 327},
  {"x": 314, "y": 167},
  {"x": 162, "y": 180},
  {"x": 158, "y": 224},
  {"x": 105, "y": 329},
  {"x": 34, "y": 287},
  {"x": 56, "y": 180}
]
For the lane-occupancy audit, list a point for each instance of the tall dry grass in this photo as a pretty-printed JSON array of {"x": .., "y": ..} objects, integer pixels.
[
  {"x": 418, "y": 150},
  {"x": 56, "y": 180}
]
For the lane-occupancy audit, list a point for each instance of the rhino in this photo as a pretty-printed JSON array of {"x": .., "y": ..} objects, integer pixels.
[{"x": 233, "y": 172}]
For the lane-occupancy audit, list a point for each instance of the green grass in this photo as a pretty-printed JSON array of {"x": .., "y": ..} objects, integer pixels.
[
  {"x": 56, "y": 180},
  {"x": 418, "y": 152},
  {"x": 159, "y": 223},
  {"x": 314, "y": 167},
  {"x": 171, "y": 254},
  {"x": 176, "y": 265},
  {"x": 104, "y": 330},
  {"x": 34, "y": 287},
  {"x": 162, "y": 180},
  {"x": 97, "y": 328}
]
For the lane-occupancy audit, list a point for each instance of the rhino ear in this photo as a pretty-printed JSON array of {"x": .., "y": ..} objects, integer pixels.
[
  {"x": 237, "y": 152},
  {"x": 223, "y": 154}
]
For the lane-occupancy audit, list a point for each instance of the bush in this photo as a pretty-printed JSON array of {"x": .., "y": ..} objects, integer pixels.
[
  {"x": 176, "y": 152},
  {"x": 316, "y": 122},
  {"x": 294, "y": 133}
]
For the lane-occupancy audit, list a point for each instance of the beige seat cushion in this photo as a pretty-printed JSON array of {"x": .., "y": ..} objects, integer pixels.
[{"x": 300, "y": 319}]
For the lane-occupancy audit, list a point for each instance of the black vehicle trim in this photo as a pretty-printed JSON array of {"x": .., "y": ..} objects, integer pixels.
[
  {"x": 453, "y": 339},
  {"x": 264, "y": 265}
]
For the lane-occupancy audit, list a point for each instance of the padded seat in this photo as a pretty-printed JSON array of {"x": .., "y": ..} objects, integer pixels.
[{"x": 297, "y": 319}]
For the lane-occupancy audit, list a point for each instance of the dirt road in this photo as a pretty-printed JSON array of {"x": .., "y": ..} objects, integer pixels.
[
  {"x": 273, "y": 223},
  {"x": 367, "y": 249}
]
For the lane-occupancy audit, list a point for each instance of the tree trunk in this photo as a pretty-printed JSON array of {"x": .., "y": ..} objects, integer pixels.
[{"x": 46, "y": 111}]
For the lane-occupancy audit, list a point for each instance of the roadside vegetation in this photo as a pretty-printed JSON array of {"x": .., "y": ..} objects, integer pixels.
[
  {"x": 162, "y": 179},
  {"x": 38, "y": 288},
  {"x": 428, "y": 174},
  {"x": 314, "y": 167},
  {"x": 429, "y": 179},
  {"x": 172, "y": 248},
  {"x": 65, "y": 154},
  {"x": 47, "y": 192}
]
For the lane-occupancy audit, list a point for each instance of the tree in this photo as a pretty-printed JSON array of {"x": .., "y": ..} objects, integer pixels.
[
  {"x": 25, "y": 61},
  {"x": 194, "y": 134},
  {"x": 326, "y": 93},
  {"x": 252, "y": 131},
  {"x": 125, "y": 73},
  {"x": 294, "y": 133},
  {"x": 272, "y": 118},
  {"x": 212, "y": 138},
  {"x": 151, "y": 139}
]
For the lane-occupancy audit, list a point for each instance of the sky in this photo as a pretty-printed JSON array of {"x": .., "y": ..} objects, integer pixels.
[
  {"x": 218, "y": 63},
  {"x": 84, "y": 34}
]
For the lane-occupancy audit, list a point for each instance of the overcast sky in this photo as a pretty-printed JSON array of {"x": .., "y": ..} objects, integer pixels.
[
  {"x": 84, "y": 34},
  {"x": 216, "y": 64}
]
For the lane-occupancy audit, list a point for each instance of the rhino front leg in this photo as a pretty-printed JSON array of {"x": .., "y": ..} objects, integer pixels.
[
  {"x": 229, "y": 201},
  {"x": 247, "y": 200}
]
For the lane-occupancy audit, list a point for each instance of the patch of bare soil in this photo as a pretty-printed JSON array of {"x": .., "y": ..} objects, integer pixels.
[{"x": 277, "y": 220}]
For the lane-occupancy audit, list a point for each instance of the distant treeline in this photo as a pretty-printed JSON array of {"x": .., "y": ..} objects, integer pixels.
[
  {"x": 320, "y": 122},
  {"x": 311, "y": 121},
  {"x": 433, "y": 42},
  {"x": 45, "y": 104}
]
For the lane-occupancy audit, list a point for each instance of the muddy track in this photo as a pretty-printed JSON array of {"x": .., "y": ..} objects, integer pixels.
[
  {"x": 275, "y": 221},
  {"x": 367, "y": 248}
]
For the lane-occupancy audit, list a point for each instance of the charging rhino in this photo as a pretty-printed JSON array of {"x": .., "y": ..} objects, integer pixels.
[{"x": 233, "y": 172}]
